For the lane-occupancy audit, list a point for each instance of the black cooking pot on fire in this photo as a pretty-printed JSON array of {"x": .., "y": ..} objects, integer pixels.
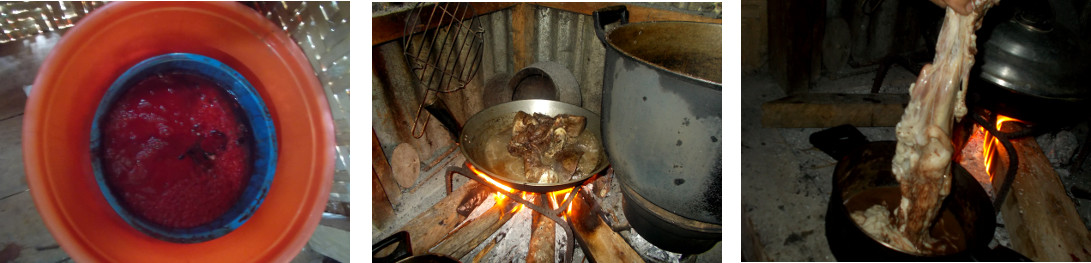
[
  {"x": 863, "y": 178},
  {"x": 1029, "y": 66}
]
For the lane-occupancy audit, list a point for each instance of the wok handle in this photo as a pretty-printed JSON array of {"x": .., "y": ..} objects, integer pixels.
[
  {"x": 838, "y": 141},
  {"x": 608, "y": 15},
  {"x": 403, "y": 249},
  {"x": 439, "y": 110}
]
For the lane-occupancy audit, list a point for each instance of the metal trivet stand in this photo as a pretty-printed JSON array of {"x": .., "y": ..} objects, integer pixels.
[
  {"x": 552, "y": 214},
  {"x": 987, "y": 120}
]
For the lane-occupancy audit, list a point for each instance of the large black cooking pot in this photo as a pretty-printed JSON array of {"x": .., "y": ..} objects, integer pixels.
[
  {"x": 1029, "y": 67},
  {"x": 661, "y": 123}
]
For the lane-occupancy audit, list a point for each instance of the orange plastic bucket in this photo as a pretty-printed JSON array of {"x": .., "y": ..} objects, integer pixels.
[{"x": 74, "y": 79}]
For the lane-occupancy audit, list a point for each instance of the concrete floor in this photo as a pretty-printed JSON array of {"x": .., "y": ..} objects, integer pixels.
[{"x": 786, "y": 181}]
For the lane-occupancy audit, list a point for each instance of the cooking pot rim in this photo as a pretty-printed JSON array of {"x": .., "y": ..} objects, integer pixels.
[
  {"x": 708, "y": 83},
  {"x": 958, "y": 172}
]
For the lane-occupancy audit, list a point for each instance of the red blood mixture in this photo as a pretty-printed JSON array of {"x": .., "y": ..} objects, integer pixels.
[{"x": 176, "y": 150}]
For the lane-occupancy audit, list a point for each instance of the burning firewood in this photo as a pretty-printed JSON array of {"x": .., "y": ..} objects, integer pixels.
[
  {"x": 595, "y": 236},
  {"x": 541, "y": 239},
  {"x": 467, "y": 236},
  {"x": 429, "y": 227}
]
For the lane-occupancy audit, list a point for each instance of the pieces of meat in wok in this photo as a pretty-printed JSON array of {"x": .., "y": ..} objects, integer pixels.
[{"x": 547, "y": 145}]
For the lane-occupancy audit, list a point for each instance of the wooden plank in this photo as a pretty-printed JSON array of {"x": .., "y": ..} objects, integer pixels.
[
  {"x": 382, "y": 213},
  {"x": 428, "y": 228},
  {"x": 824, "y": 110},
  {"x": 595, "y": 236},
  {"x": 753, "y": 8},
  {"x": 392, "y": 26},
  {"x": 1041, "y": 218},
  {"x": 636, "y": 13},
  {"x": 795, "y": 41},
  {"x": 752, "y": 249},
  {"x": 522, "y": 35},
  {"x": 382, "y": 169},
  {"x": 471, "y": 234},
  {"x": 542, "y": 235},
  {"x": 484, "y": 251},
  {"x": 755, "y": 34}
]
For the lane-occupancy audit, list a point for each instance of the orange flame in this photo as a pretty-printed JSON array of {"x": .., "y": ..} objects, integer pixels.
[
  {"x": 498, "y": 196},
  {"x": 553, "y": 196},
  {"x": 525, "y": 196},
  {"x": 990, "y": 142}
]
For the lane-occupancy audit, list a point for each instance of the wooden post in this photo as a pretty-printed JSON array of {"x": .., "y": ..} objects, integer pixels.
[
  {"x": 755, "y": 34},
  {"x": 522, "y": 35},
  {"x": 381, "y": 211},
  {"x": 795, "y": 40},
  {"x": 542, "y": 235},
  {"x": 381, "y": 168}
]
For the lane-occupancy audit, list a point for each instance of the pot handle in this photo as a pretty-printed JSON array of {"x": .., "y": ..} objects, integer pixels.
[
  {"x": 403, "y": 249},
  {"x": 439, "y": 110},
  {"x": 609, "y": 15},
  {"x": 838, "y": 141}
]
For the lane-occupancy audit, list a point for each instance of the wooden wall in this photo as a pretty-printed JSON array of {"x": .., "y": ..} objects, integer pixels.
[{"x": 755, "y": 35}]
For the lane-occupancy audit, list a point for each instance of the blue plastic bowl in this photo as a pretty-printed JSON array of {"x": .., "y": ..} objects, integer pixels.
[{"x": 261, "y": 128}]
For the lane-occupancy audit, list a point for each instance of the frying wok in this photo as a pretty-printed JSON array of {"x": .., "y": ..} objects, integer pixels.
[{"x": 484, "y": 138}]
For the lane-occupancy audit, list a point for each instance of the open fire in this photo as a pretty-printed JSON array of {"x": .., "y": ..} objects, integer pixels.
[
  {"x": 549, "y": 231},
  {"x": 497, "y": 195},
  {"x": 991, "y": 144},
  {"x": 984, "y": 155},
  {"x": 555, "y": 198}
]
